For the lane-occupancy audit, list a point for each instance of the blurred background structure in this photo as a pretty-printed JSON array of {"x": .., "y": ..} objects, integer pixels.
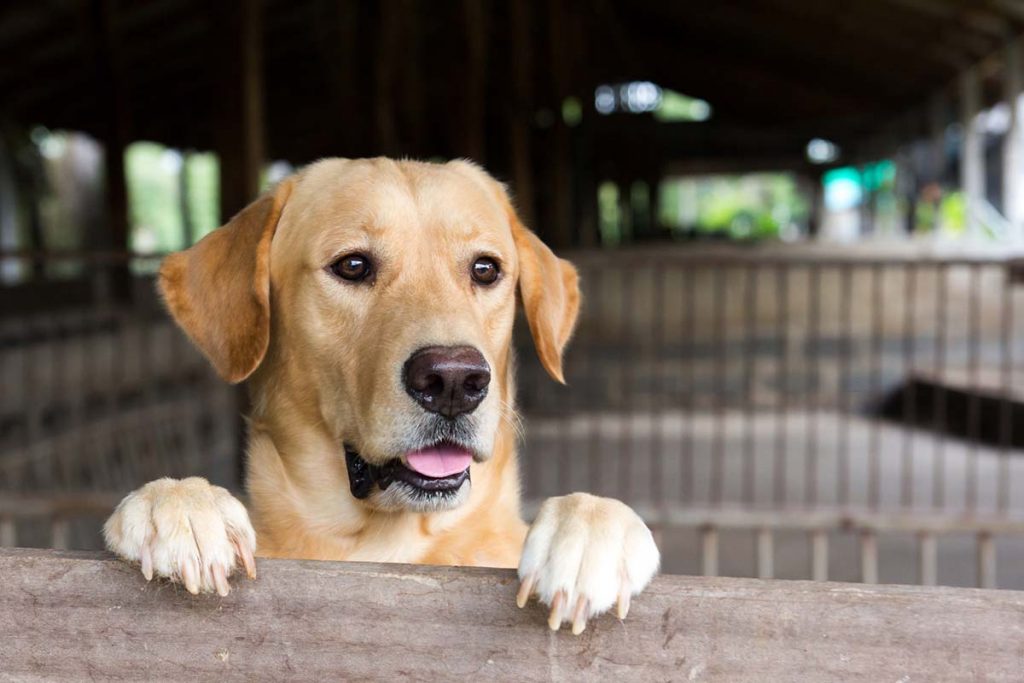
[{"x": 798, "y": 224}]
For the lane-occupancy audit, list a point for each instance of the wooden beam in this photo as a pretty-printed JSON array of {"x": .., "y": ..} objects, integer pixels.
[
  {"x": 387, "y": 63},
  {"x": 240, "y": 103},
  {"x": 758, "y": 35},
  {"x": 559, "y": 231},
  {"x": 475, "y": 20},
  {"x": 520, "y": 129},
  {"x": 67, "y": 613},
  {"x": 116, "y": 136}
]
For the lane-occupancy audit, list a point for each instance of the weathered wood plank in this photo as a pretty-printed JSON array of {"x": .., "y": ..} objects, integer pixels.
[{"x": 84, "y": 615}]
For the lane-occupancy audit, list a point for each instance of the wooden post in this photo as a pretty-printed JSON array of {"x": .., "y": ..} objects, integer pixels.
[
  {"x": 907, "y": 188},
  {"x": 241, "y": 135},
  {"x": 815, "y": 202},
  {"x": 972, "y": 154},
  {"x": 1013, "y": 142},
  {"x": 520, "y": 138},
  {"x": 413, "y": 102},
  {"x": 185, "y": 201},
  {"x": 474, "y": 12},
  {"x": 389, "y": 53},
  {"x": 559, "y": 231},
  {"x": 116, "y": 136}
]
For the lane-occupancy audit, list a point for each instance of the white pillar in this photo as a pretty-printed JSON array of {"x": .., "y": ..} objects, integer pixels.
[
  {"x": 1013, "y": 143},
  {"x": 972, "y": 154}
]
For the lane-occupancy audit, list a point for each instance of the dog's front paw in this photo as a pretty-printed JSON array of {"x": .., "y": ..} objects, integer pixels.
[
  {"x": 584, "y": 554},
  {"x": 185, "y": 530}
]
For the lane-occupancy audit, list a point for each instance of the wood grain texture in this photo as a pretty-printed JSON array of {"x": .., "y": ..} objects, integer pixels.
[{"x": 73, "y": 616}]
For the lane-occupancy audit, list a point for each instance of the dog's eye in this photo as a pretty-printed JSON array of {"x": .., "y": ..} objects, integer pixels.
[
  {"x": 485, "y": 271},
  {"x": 353, "y": 267}
]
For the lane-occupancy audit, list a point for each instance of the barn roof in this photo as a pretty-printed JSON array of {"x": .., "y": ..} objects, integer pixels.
[{"x": 336, "y": 73}]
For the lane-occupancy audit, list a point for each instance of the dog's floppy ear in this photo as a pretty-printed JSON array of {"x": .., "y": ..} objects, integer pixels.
[
  {"x": 550, "y": 290},
  {"x": 219, "y": 289}
]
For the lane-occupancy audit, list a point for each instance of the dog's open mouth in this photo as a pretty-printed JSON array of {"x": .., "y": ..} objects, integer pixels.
[{"x": 438, "y": 470}]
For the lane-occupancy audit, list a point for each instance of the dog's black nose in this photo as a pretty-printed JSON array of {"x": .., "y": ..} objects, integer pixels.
[{"x": 449, "y": 380}]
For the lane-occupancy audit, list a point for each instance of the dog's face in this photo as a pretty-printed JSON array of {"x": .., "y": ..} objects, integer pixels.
[{"x": 383, "y": 295}]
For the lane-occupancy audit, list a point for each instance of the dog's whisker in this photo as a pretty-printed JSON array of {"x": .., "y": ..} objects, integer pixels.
[{"x": 510, "y": 416}]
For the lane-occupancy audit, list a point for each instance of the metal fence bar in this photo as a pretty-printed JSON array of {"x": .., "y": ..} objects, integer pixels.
[
  {"x": 877, "y": 325},
  {"x": 594, "y": 452},
  {"x": 986, "y": 560},
  {"x": 765, "y": 554},
  {"x": 909, "y": 408},
  {"x": 655, "y": 359},
  {"x": 718, "y": 400},
  {"x": 813, "y": 399},
  {"x": 868, "y": 557},
  {"x": 819, "y": 555},
  {"x": 928, "y": 559},
  {"x": 688, "y": 440},
  {"x": 8, "y": 531},
  {"x": 628, "y": 350},
  {"x": 709, "y": 551},
  {"x": 939, "y": 400},
  {"x": 782, "y": 410},
  {"x": 59, "y": 533},
  {"x": 973, "y": 403},
  {"x": 845, "y": 351},
  {"x": 1006, "y": 400},
  {"x": 750, "y": 374}
]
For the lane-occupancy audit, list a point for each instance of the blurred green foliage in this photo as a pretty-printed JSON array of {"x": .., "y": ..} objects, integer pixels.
[
  {"x": 609, "y": 214},
  {"x": 676, "y": 107},
  {"x": 753, "y": 206},
  {"x": 157, "y": 177}
]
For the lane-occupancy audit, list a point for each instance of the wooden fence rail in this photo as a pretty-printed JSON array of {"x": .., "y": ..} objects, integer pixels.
[{"x": 75, "y": 616}]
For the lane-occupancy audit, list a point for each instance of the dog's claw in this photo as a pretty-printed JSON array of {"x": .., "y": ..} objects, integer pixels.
[
  {"x": 555, "y": 618},
  {"x": 220, "y": 580},
  {"x": 525, "y": 590},
  {"x": 147, "y": 562},
  {"x": 189, "y": 575},
  {"x": 245, "y": 553},
  {"x": 624, "y": 603},
  {"x": 622, "y": 609},
  {"x": 579, "y": 617}
]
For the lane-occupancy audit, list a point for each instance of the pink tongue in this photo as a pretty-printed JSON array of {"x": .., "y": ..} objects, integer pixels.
[{"x": 439, "y": 461}]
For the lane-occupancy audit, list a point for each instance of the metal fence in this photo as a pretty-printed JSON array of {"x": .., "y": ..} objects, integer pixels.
[
  {"x": 821, "y": 394},
  {"x": 790, "y": 414},
  {"x": 94, "y": 404}
]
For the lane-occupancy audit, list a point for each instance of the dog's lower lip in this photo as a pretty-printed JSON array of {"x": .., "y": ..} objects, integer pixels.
[{"x": 409, "y": 476}]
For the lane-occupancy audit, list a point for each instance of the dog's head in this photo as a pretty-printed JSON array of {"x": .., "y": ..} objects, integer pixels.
[{"x": 381, "y": 294}]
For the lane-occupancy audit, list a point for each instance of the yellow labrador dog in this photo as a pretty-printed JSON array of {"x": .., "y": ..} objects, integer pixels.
[{"x": 369, "y": 303}]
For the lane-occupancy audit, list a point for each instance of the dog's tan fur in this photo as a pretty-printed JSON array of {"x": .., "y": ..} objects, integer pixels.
[{"x": 323, "y": 358}]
